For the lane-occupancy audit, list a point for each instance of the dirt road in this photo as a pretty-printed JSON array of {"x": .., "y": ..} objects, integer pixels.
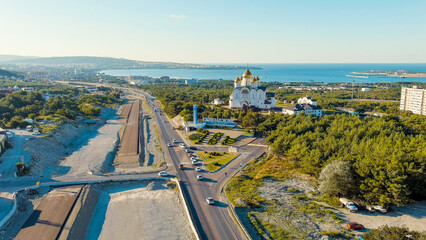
[{"x": 130, "y": 140}]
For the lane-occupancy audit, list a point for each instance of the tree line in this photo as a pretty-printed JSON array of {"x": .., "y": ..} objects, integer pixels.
[{"x": 64, "y": 103}]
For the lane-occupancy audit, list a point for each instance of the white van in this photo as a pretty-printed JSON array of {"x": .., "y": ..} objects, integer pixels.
[{"x": 29, "y": 128}]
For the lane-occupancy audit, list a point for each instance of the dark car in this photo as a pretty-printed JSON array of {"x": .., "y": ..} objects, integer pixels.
[
  {"x": 354, "y": 225},
  {"x": 181, "y": 167},
  {"x": 193, "y": 148}
]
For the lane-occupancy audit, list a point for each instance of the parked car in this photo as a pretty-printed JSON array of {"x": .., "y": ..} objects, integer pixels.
[
  {"x": 380, "y": 209},
  {"x": 351, "y": 206},
  {"x": 200, "y": 177},
  {"x": 163, "y": 174},
  {"x": 355, "y": 226},
  {"x": 181, "y": 167},
  {"x": 36, "y": 133},
  {"x": 194, "y": 162},
  {"x": 210, "y": 201},
  {"x": 370, "y": 209},
  {"x": 174, "y": 141},
  {"x": 9, "y": 135},
  {"x": 348, "y": 204},
  {"x": 188, "y": 151},
  {"x": 193, "y": 148},
  {"x": 29, "y": 128},
  {"x": 182, "y": 145},
  {"x": 198, "y": 169}
]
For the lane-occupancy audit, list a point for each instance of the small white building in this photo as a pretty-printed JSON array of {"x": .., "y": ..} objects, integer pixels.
[
  {"x": 217, "y": 101},
  {"x": 307, "y": 108},
  {"x": 307, "y": 100},
  {"x": 365, "y": 89}
]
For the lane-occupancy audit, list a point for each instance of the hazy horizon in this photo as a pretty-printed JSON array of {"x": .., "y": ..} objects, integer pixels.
[{"x": 218, "y": 32}]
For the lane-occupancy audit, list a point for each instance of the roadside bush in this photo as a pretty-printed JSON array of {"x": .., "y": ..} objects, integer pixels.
[
  {"x": 21, "y": 169},
  {"x": 393, "y": 233}
]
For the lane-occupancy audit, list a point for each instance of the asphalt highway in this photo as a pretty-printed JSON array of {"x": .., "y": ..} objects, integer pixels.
[{"x": 212, "y": 221}]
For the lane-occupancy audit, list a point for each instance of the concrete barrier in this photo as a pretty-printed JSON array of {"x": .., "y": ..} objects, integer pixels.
[
  {"x": 12, "y": 211},
  {"x": 187, "y": 211}
]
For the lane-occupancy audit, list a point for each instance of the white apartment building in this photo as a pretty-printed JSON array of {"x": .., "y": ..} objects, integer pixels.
[{"x": 414, "y": 100}]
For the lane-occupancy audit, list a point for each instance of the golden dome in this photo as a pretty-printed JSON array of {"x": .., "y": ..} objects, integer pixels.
[
  {"x": 238, "y": 79},
  {"x": 247, "y": 74}
]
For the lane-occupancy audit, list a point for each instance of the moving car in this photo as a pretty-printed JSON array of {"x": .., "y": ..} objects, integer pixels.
[
  {"x": 198, "y": 169},
  {"x": 354, "y": 225},
  {"x": 181, "y": 167},
  {"x": 169, "y": 145},
  {"x": 174, "y": 141},
  {"x": 210, "y": 201},
  {"x": 200, "y": 177},
  {"x": 163, "y": 174},
  {"x": 380, "y": 209}
]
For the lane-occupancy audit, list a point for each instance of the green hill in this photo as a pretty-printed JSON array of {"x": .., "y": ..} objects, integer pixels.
[{"x": 4, "y": 73}]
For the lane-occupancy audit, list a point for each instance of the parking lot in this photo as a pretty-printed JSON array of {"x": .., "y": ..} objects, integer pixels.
[{"x": 412, "y": 216}]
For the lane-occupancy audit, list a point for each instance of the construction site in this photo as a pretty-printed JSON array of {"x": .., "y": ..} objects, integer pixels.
[
  {"x": 123, "y": 141},
  {"x": 110, "y": 210},
  {"x": 139, "y": 149}
]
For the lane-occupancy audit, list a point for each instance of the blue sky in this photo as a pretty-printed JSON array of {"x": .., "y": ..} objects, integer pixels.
[{"x": 286, "y": 31}]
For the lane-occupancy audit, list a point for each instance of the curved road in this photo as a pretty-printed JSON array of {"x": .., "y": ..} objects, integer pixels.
[{"x": 213, "y": 222}]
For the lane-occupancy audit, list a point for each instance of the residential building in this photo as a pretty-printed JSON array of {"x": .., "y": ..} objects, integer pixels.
[
  {"x": 307, "y": 108},
  {"x": 248, "y": 92},
  {"x": 165, "y": 79},
  {"x": 191, "y": 81},
  {"x": 365, "y": 89},
  {"x": 307, "y": 100},
  {"x": 414, "y": 100}
]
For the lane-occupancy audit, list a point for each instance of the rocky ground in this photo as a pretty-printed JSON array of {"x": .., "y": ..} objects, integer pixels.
[
  {"x": 73, "y": 146},
  {"x": 289, "y": 212}
]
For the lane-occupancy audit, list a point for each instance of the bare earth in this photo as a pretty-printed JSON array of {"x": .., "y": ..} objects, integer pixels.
[{"x": 141, "y": 211}]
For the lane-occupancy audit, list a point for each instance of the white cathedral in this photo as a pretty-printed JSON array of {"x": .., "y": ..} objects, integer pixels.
[{"x": 248, "y": 93}]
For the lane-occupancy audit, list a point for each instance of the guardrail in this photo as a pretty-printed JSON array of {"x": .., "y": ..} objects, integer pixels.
[{"x": 231, "y": 210}]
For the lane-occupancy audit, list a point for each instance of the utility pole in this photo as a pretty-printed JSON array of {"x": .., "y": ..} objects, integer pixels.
[{"x": 353, "y": 86}]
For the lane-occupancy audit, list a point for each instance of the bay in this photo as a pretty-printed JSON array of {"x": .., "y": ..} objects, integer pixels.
[{"x": 286, "y": 72}]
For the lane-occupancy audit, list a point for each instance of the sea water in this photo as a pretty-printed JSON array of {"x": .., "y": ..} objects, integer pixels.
[{"x": 285, "y": 72}]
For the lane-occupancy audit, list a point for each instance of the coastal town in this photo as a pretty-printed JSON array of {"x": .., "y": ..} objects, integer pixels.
[
  {"x": 212, "y": 120},
  {"x": 133, "y": 149}
]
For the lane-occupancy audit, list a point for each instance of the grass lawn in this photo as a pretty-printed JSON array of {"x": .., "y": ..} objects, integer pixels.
[{"x": 215, "y": 162}]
